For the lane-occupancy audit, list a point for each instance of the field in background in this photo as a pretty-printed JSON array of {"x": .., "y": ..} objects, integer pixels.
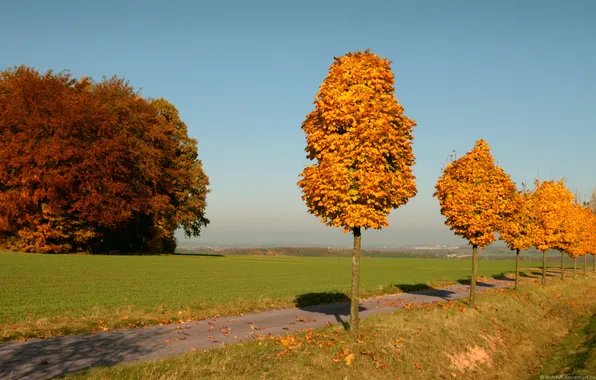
[
  {"x": 492, "y": 252},
  {"x": 46, "y": 295}
]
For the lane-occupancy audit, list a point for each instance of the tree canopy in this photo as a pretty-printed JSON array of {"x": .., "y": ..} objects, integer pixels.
[
  {"x": 361, "y": 142},
  {"x": 93, "y": 166},
  {"x": 476, "y": 195}
]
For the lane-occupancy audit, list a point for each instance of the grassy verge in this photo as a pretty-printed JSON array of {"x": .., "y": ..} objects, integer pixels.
[
  {"x": 508, "y": 336},
  {"x": 49, "y": 295},
  {"x": 575, "y": 355}
]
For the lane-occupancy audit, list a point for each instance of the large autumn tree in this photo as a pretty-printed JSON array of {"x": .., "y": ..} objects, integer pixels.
[
  {"x": 551, "y": 201},
  {"x": 517, "y": 229},
  {"x": 93, "y": 166},
  {"x": 360, "y": 141},
  {"x": 476, "y": 197}
]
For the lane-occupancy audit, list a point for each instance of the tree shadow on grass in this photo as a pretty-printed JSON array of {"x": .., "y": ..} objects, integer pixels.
[
  {"x": 548, "y": 274},
  {"x": 425, "y": 290},
  {"x": 468, "y": 281},
  {"x": 197, "y": 254},
  {"x": 330, "y": 303},
  {"x": 503, "y": 276}
]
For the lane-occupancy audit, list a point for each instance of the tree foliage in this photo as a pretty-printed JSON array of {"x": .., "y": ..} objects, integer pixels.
[
  {"x": 88, "y": 166},
  {"x": 551, "y": 204},
  {"x": 476, "y": 195},
  {"x": 518, "y": 229},
  {"x": 580, "y": 238},
  {"x": 360, "y": 140}
]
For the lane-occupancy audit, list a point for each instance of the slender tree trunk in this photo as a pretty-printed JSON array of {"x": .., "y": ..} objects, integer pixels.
[
  {"x": 543, "y": 267},
  {"x": 574, "y": 265},
  {"x": 562, "y": 265},
  {"x": 516, "y": 268},
  {"x": 474, "y": 272},
  {"x": 354, "y": 305},
  {"x": 586, "y": 263}
]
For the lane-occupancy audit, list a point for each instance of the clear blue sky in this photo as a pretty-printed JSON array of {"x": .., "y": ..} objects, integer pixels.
[{"x": 520, "y": 74}]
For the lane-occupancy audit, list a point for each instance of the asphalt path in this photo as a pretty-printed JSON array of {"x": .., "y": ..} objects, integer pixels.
[{"x": 48, "y": 358}]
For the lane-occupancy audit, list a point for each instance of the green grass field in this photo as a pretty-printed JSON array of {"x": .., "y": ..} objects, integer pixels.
[{"x": 45, "y": 295}]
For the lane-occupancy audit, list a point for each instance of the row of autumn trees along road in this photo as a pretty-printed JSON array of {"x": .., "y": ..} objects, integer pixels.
[
  {"x": 360, "y": 141},
  {"x": 94, "y": 167},
  {"x": 478, "y": 199}
]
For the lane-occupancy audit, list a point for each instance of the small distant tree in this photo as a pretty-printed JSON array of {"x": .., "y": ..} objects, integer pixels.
[
  {"x": 476, "y": 197},
  {"x": 550, "y": 206},
  {"x": 579, "y": 235},
  {"x": 517, "y": 230},
  {"x": 360, "y": 141},
  {"x": 592, "y": 238}
]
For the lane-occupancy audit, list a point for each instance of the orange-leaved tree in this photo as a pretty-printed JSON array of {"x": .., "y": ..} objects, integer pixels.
[
  {"x": 517, "y": 230},
  {"x": 550, "y": 205},
  {"x": 360, "y": 141},
  {"x": 590, "y": 237},
  {"x": 476, "y": 197},
  {"x": 579, "y": 235},
  {"x": 93, "y": 166},
  {"x": 592, "y": 247}
]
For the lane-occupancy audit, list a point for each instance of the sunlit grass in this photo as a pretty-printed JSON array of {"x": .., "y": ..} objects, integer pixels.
[{"x": 58, "y": 294}]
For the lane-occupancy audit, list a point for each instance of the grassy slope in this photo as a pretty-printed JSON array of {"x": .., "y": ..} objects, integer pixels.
[
  {"x": 45, "y": 295},
  {"x": 575, "y": 355},
  {"x": 507, "y": 337}
]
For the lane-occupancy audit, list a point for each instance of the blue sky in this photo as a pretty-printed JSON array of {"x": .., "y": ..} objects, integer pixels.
[{"x": 519, "y": 74}]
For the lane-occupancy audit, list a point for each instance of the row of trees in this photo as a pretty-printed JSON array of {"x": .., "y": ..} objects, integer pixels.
[
  {"x": 93, "y": 166},
  {"x": 360, "y": 142},
  {"x": 479, "y": 200}
]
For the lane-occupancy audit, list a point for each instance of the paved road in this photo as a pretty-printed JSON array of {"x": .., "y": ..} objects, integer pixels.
[{"x": 47, "y": 358}]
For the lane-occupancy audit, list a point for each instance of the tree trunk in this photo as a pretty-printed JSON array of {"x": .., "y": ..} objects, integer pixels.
[
  {"x": 516, "y": 268},
  {"x": 543, "y": 267},
  {"x": 354, "y": 305},
  {"x": 586, "y": 263},
  {"x": 474, "y": 271},
  {"x": 574, "y": 265},
  {"x": 562, "y": 265}
]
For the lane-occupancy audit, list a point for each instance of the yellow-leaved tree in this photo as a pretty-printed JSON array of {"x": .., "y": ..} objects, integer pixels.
[
  {"x": 517, "y": 230},
  {"x": 551, "y": 205},
  {"x": 579, "y": 235},
  {"x": 476, "y": 197},
  {"x": 592, "y": 244},
  {"x": 360, "y": 141}
]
